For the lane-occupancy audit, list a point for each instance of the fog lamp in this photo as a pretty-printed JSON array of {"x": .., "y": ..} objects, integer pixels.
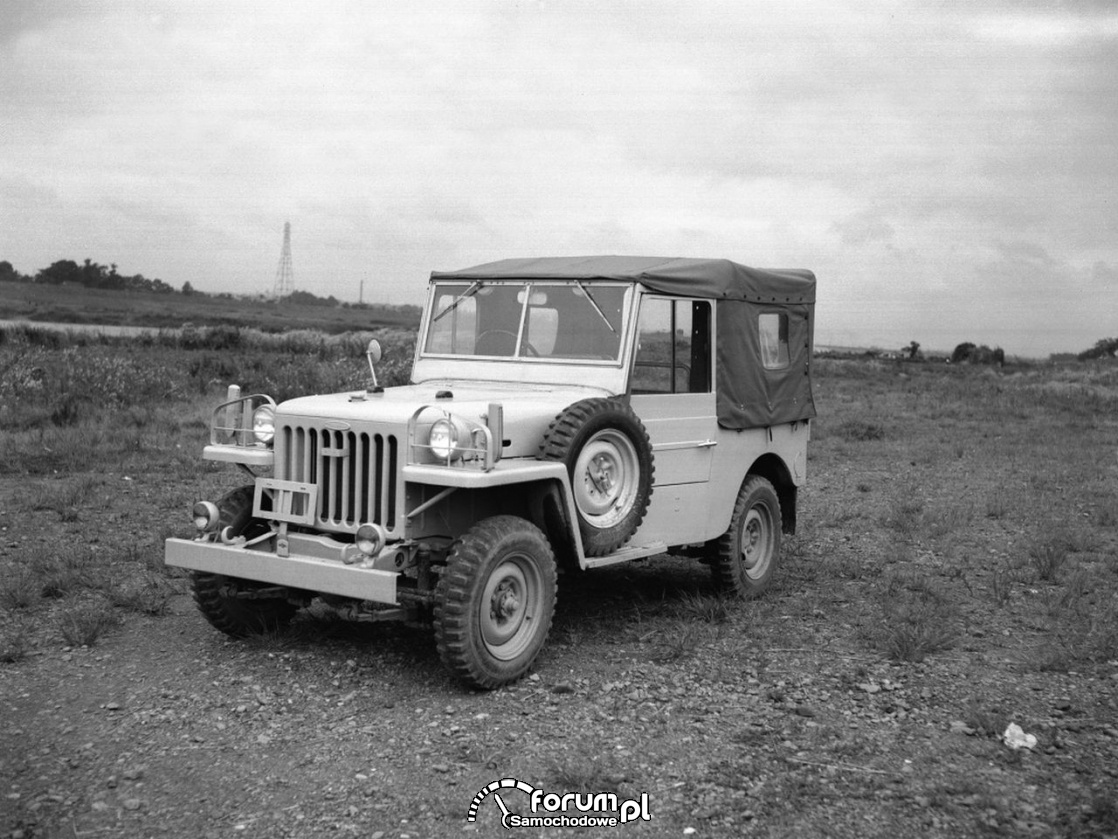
[
  {"x": 206, "y": 516},
  {"x": 371, "y": 538}
]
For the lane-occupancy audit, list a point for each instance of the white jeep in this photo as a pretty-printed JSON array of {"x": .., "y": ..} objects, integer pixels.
[{"x": 562, "y": 412}]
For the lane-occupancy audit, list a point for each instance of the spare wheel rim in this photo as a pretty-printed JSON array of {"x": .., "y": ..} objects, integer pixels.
[{"x": 605, "y": 478}]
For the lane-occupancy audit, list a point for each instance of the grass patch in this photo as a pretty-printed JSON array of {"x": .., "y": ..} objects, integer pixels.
[
  {"x": 585, "y": 775},
  {"x": 680, "y": 643},
  {"x": 147, "y": 593},
  {"x": 998, "y": 504},
  {"x": 905, "y": 514},
  {"x": 705, "y": 608},
  {"x": 20, "y": 588},
  {"x": 857, "y": 430},
  {"x": 917, "y": 618},
  {"x": 1082, "y": 622},
  {"x": 59, "y": 576},
  {"x": 15, "y": 642},
  {"x": 1047, "y": 560},
  {"x": 83, "y": 623},
  {"x": 64, "y": 497}
]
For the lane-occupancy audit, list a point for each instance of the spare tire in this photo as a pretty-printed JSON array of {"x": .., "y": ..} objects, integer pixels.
[{"x": 609, "y": 460}]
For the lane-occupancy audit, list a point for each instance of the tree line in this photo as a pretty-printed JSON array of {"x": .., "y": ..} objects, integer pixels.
[
  {"x": 1103, "y": 348},
  {"x": 89, "y": 274}
]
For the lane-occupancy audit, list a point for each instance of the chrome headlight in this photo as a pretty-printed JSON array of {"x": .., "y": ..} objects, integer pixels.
[
  {"x": 264, "y": 424},
  {"x": 449, "y": 438},
  {"x": 443, "y": 439}
]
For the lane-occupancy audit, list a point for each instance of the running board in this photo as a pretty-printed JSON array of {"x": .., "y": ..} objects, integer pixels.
[{"x": 626, "y": 554}]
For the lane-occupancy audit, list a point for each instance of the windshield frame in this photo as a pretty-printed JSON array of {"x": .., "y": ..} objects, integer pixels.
[{"x": 465, "y": 290}]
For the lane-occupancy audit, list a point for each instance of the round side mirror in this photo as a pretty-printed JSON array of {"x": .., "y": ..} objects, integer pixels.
[{"x": 374, "y": 351}]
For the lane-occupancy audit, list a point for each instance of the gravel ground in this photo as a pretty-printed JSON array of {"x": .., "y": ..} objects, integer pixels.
[{"x": 167, "y": 729}]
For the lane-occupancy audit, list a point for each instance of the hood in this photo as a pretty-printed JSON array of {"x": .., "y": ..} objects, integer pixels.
[{"x": 528, "y": 409}]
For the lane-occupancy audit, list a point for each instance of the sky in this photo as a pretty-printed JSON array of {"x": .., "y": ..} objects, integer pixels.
[{"x": 949, "y": 169}]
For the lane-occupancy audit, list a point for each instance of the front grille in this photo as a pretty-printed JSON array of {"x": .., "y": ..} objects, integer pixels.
[{"x": 355, "y": 473}]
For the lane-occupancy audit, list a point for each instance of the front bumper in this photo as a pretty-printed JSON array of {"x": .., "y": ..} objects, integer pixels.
[{"x": 299, "y": 571}]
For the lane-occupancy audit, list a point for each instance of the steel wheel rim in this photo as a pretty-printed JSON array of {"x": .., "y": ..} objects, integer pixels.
[
  {"x": 510, "y": 602},
  {"x": 606, "y": 477},
  {"x": 757, "y": 541}
]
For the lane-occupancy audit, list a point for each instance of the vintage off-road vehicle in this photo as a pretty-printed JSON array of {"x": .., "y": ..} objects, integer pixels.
[{"x": 562, "y": 413}]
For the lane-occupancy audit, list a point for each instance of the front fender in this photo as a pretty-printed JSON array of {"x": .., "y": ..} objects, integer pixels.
[{"x": 546, "y": 485}]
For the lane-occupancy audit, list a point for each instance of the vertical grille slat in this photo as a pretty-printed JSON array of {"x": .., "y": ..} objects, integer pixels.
[
  {"x": 359, "y": 469},
  {"x": 356, "y": 473},
  {"x": 388, "y": 499}
]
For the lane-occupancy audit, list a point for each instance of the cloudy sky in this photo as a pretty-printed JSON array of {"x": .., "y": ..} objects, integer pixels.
[{"x": 949, "y": 170}]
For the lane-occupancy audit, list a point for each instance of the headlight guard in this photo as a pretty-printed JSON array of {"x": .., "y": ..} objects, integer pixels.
[{"x": 437, "y": 436}]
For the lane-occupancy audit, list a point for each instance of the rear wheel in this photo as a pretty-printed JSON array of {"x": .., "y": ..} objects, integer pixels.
[
  {"x": 745, "y": 558},
  {"x": 494, "y": 601},
  {"x": 215, "y": 594}
]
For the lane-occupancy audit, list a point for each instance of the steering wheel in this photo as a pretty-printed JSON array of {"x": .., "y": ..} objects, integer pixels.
[{"x": 504, "y": 333}]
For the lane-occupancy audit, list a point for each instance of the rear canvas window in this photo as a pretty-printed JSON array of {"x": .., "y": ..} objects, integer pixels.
[{"x": 773, "y": 331}]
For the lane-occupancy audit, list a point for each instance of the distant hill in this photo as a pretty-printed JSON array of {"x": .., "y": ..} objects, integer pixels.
[{"x": 74, "y": 303}]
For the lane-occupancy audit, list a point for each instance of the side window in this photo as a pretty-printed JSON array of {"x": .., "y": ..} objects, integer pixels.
[
  {"x": 673, "y": 351},
  {"x": 773, "y": 331}
]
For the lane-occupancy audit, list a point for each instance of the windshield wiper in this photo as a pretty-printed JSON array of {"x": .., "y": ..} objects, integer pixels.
[
  {"x": 594, "y": 303},
  {"x": 469, "y": 292}
]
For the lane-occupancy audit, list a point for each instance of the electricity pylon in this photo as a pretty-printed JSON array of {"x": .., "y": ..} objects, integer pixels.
[{"x": 285, "y": 276}]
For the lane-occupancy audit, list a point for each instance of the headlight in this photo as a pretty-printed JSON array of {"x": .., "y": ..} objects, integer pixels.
[
  {"x": 449, "y": 438},
  {"x": 443, "y": 439},
  {"x": 264, "y": 424}
]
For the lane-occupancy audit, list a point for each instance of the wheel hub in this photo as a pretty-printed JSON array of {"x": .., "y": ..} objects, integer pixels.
[
  {"x": 754, "y": 541},
  {"x": 506, "y": 603},
  {"x": 601, "y": 474}
]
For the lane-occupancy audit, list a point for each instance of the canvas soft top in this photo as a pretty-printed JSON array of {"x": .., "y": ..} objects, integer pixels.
[
  {"x": 718, "y": 279},
  {"x": 749, "y": 395}
]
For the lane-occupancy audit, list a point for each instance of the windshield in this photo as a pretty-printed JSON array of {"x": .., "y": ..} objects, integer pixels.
[{"x": 538, "y": 320}]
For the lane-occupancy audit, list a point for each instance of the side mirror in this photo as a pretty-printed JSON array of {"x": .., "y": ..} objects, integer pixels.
[{"x": 373, "y": 353}]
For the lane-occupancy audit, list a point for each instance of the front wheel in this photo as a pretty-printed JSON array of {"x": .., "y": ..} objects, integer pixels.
[
  {"x": 745, "y": 558},
  {"x": 494, "y": 601}
]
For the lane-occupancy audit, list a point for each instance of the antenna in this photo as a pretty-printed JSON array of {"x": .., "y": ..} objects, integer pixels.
[{"x": 285, "y": 276}]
